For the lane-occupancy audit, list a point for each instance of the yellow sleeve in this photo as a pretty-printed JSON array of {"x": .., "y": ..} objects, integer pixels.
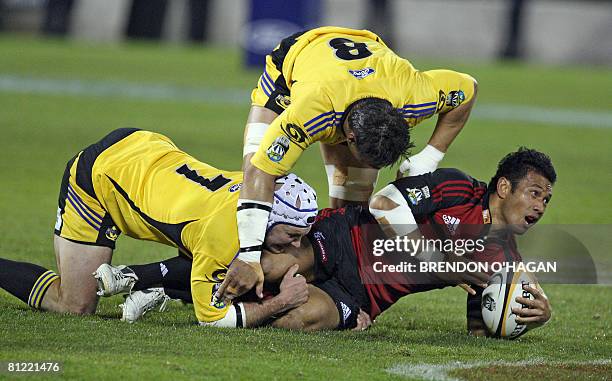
[
  {"x": 451, "y": 88},
  {"x": 207, "y": 274},
  {"x": 213, "y": 243},
  {"x": 309, "y": 118}
]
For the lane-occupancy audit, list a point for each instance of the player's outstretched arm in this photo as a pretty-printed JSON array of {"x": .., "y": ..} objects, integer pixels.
[
  {"x": 253, "y": 210},
  {"x": 252, "y": 214},
  {"x": 449, "y": 125}
]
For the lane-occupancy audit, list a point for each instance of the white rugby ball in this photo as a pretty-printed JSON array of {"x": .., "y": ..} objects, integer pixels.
[{"x": 499, "y": 298}]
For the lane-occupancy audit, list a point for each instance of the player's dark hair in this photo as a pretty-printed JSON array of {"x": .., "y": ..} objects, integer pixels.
[
  {"x": 381, "y": 133},
  {"x": 515, "y": 166}
]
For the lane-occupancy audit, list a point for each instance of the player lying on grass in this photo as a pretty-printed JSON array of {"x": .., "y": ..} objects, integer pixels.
[
  {"x": 140, "y": 183},
  {"x": 347, "y": 90},
  {"x": 336, "y": 256}
]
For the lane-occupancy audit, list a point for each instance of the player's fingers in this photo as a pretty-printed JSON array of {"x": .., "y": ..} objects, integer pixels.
[
  {"x": 467, "y": 288},
  {"x": 533, "y": 291},
  {"x": 476, "y": 278},
  {"x": 527, "y": 320},
  {"x": 482, "y": 279},
  {"x": 220, "y": 294},
  {"x": 528, "y": 302},
  {"x": 259, "y": 288},
  {"x": 292, "y": 270},
  {"x": 526, "y": 312}
]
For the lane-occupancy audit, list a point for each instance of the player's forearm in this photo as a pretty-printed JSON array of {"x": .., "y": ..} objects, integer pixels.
[
  {"x": 450, "y": 124},
  {"x": 259, "y": 313},
  {"x": 254, "y": 206},
  {"x": 256, "y": 126},
  {"x": 257, "y": 185}
]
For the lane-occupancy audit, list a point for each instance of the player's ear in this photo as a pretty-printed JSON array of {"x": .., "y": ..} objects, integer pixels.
[{"x": 504, "y": 187}]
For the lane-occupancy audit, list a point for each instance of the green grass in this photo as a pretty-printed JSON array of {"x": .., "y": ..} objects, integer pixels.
[{"x": 41, "y": 132}]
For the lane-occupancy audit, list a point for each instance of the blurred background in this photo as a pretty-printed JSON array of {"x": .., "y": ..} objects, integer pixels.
[{"x": 550, "y": 31}]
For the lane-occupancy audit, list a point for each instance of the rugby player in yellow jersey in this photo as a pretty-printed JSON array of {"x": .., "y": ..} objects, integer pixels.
[
  {"x": 139, "y": 183},
  {"x": 347, "y": 90}
]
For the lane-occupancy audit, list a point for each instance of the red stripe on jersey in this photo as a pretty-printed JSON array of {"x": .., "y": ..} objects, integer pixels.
[
  {"x": 460, "y": 187},
  {"x": 439, "y": 191},
  {"x": 448, "y": 182},
  {"x": 469, "y": 193}
]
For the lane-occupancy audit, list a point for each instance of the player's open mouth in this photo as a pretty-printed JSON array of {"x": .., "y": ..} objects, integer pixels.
[{"x": 530, "y": 220}]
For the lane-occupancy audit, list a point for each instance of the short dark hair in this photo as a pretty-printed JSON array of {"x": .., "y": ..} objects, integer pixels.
[
  {"x": 381, "y": 133},
  {"x": 515, "y": 166}
]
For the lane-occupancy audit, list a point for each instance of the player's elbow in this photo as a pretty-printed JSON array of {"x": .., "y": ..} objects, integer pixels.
[
  {"x": 475, "y": 88},
  {"x": 379, "y": 202}
]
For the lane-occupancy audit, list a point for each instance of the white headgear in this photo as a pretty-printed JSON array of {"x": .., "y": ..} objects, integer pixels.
[{"x": 295, "y": 203}]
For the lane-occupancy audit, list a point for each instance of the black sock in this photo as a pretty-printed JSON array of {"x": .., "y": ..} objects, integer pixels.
[
  {"x": 178, "y": 274},
  {"x": 149, "y": 275},
  {"x": 26, "y": 281},
  {"x": 184, "y": 295},
  {"x": 172, "y": 273}
]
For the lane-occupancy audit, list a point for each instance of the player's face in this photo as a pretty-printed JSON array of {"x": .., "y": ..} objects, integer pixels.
[
  {"x": 282, "y": 235},
  {"x": 524, "y": 206}
]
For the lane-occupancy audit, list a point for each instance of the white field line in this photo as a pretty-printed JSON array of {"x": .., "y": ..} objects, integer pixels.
[
  {"x": 161, "y": 92},
  {"x": 436, "y": 372}
]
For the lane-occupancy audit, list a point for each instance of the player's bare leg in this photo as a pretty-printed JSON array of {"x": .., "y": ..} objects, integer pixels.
[
  {"x": 349, "y": 180},
  {"x": 75, "y": 290},
  {"x": 318, "y": 313}
]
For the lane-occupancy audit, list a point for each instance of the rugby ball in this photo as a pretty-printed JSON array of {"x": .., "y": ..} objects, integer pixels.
[{"x": 499, "y": 298}]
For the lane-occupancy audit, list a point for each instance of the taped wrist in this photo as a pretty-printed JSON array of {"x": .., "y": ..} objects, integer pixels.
[
  {"x": 252, "y": 217},
  {"x": 254, "y": 136},
  {"x": 429, "y": 158}
]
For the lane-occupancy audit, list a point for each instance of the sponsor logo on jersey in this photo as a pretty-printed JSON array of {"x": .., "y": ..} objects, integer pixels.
[
  {"x": 163, "y": 269},
  {"x": 219, "y": 275},
  {"x": 112, "y": 233},
  {"x": 278, "y": 149},
  {"x": 235, "y": 188},
  {"x": 425, "y": 191},
  {"x": 282, "y": 100},
  {"x": 451, "y": 223},
  {"x": 441, "y": 100},
  {"x": 415, "y": 195},
  {"x": 362, "y": 73},
  {"x": 295, "y": 134},
  {"x": 319, "y": 237},
  {"x": 213, "y": 299},
  {"x": 346, "y": 312},
  {"x": 455, "y": 98},
  {"x": 486, "y": 216}
]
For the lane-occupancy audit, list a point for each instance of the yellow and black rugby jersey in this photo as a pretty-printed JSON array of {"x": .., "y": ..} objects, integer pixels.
[
  {"x": 154, "y": 191},
  {"x": 324, "y": 71}
]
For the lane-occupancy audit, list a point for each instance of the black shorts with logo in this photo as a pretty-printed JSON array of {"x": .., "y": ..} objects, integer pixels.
[{"x": 336, "y": 268}]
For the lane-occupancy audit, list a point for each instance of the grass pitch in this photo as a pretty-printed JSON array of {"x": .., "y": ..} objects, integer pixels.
[{"x": 422, "y": 337}]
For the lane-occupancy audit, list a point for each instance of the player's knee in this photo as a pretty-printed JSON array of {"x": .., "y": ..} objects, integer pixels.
[
  {"x": 78, "y": 308},
  {"x": 77, "y": 305}
]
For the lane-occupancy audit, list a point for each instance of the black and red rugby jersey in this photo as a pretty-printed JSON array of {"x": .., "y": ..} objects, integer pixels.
[{"x": 447, "y": 204}]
